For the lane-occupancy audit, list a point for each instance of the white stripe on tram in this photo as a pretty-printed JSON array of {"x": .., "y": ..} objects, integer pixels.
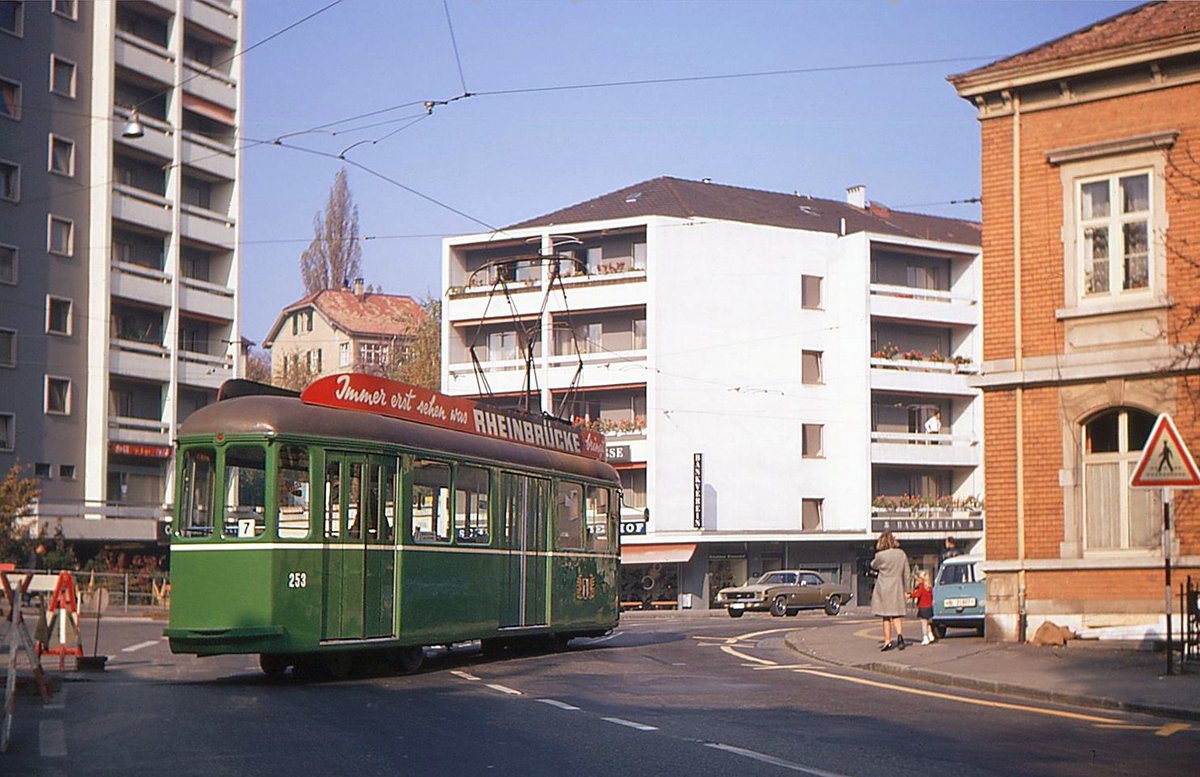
[{"x": 358, "y": 547}]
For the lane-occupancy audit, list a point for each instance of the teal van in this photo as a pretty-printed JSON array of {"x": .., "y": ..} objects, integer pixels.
[{"x": 959, "y": 595}]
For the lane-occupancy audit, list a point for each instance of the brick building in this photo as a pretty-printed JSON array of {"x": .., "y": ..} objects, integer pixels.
[{"x": 1091, "y": 246}]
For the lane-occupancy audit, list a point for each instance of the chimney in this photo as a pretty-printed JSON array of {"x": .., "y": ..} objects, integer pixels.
[
  {"x": 857, "y": 196},
  {"x": 358, "y": 288}
]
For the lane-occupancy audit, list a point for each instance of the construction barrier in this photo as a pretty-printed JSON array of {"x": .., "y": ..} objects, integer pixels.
[
  {"x": 15, "y": 630},
  {"x": 62, "y": 621}
]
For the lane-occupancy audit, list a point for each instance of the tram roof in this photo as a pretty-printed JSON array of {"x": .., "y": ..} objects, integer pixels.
[{"x": 277, "y": 415}]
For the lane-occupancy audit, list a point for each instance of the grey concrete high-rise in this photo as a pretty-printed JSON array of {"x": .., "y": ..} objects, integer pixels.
[{"x": 118, "y": 254}]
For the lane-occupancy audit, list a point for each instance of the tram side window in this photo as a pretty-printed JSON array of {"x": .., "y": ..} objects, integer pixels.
[
  {"x": 568, "y": 516},
  {"x": 387, "y": 486},
  {"x": 471, "y": 506},
  {"x": 431, "y": 501},
  {"x": 293, "y": 492},
  {"x": 333, "y": 499},
  {"x": 597, "y": 518},
  {"x": 245, "y": 491},
  {"x": 198, "y": 492}
]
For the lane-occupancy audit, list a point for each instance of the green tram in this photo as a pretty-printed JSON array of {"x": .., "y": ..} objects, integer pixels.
[{"x": 316, "y": 536}]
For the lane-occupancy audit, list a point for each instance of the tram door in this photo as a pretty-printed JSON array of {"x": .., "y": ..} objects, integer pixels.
[
  {"x": 525, "y": 536},
  {"x": 359, "y": 569}
]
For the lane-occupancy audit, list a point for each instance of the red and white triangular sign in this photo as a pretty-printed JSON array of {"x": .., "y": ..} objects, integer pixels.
[{"x": 1165, "y": 462}]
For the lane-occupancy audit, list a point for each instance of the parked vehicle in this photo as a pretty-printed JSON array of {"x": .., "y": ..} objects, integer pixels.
[
  {"x": 959, "y": 595},
  {"x": 784, "y": 592}
]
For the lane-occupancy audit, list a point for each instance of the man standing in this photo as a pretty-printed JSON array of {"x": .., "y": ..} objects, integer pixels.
[{"x": 933, "y": 425}]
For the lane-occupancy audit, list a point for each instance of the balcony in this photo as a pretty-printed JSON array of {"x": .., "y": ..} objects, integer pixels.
[
  {"x": 202, "y": 369},
  {"x": 209, "y": 156},
  {"x": 133, "y": 281},
  {"x": 141, "y": 207},
  {"x": 210, "y": 85},
  {"x": 159, "y": 137},
  {"x": 144, "y": 57},
  {"x": 924, "y": 305},
  {"x": 138, "y": 430},
  {"x": 141, "y": 360},
  {"x": 207, "y": 226},
  {"x": 213, "y": 15},
  {"x": 922, "y": 376},
  {"x": 925, "y": 450},
  {"x": 207, "y": 299}
]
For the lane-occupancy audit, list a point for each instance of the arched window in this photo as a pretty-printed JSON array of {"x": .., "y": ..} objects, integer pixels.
[{"x": 1116, "y": 516}]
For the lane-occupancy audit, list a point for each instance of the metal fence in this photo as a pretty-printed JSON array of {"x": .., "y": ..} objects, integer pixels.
[
  {"x": 126, "y": 591},
  {"x": 1190, "y": 608}
]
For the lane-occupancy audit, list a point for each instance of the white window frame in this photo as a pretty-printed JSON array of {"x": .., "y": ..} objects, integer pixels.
[
  {"x": 344, "y": 354},
  {"x": 19, "y": 32},
  {"x": 55, "y": 60},
  {"x": 67, "y": 9},
  {"x": 808, "y": 304},
  {"x": 70, "y": 144},
  {"x": 1125, "y": 460},
  {"x": 1081, "y": 166},
  {"x": 66, "y": 471},
  {"x": 11, "y": 442},
  {"x": 16, "y": 171},
  {"x": 50, "y": 300},
  {"x": 66, "y": 398},
  {"x": 16, "y": 264},
  {"x": 10, "y": 359},
  {"x": 20, "y": 93},
  {"x": 50, "y": 221},
  {"x": 1113, "y": 224}
]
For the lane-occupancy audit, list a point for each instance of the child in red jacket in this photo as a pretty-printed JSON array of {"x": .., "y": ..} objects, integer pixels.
[{"x": 923, "y": 594}]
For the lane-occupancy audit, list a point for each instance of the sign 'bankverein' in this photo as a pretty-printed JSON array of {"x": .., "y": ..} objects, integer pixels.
[{"x": 367, "y": 393}]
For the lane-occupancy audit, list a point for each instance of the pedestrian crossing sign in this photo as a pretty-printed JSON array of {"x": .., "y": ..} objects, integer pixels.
[{"x": 1166, "y": 461}]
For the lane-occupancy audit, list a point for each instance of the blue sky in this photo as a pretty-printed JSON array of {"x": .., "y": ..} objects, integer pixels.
[{"x": 502, "y": 158}]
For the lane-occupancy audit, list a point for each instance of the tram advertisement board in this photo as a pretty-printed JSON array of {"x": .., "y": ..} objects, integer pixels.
[{"x": 371, "y": 394}]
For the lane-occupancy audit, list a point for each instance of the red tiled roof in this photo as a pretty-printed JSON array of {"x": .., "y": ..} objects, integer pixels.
[
  {"x": 1153, "y": 23},
  {"x": 682, "y": 198},
  {"x": 368, "y": 315}
]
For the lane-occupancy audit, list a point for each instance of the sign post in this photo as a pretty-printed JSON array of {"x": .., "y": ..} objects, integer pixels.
[{"x": 1166, "y": 463}]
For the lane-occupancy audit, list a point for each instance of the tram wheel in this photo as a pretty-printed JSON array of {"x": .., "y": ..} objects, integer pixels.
[
  {"x": 491, "y": 646},
  {"x": 273, "y": 664},
  {"x": 339, "y": 665},
  {"x": 408, "y": 659},
  {"x": 557, "y": 643}
]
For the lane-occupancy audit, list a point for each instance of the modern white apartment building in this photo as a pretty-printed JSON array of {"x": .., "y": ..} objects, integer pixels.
[
  {"x": 118, "y": 258},
  {"x": 763, "y": 364}
]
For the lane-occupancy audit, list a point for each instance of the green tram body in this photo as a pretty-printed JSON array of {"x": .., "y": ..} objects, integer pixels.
[{"x": 442, "y": 536}]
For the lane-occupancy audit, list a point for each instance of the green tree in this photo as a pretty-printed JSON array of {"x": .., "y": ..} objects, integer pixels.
[
  {"x": 17, "y": 495},
  {"x": 334, "y": 255},
  {"x": 421, "y": 364}
]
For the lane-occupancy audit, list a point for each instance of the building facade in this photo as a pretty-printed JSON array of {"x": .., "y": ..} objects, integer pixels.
[
  {"x": 763, "y": 366},
  {"x": 341, "y": 330},
  {"x": 119, "y": 203},
  {"x": 1091, "y": 222}
]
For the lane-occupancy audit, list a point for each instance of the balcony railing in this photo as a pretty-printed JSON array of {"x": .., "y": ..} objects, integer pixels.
[
  {"x": 913, "y": 292},
  {"x": 612, "y": 427},
  {"x": 921, "y": 438},
  {"x": 917, "y": 361}
]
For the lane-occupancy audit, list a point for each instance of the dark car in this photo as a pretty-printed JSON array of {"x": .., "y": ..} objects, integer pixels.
[{"x": 784, "y": 592}]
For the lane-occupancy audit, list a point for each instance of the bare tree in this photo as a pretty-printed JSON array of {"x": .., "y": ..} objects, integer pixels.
[
  {"x": 296, "y": 372},
  {"x": 334, "y": 255},
  {"x": 258, "y": 365}
]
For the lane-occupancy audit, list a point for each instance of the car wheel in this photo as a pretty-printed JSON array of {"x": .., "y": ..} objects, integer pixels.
[
  {"x": 735, "y": 613},
  {"x": 273, "y": 664},
  {"x": 939, "y": 631},
  {"x": 779, "y": 606},
  {"x": 793, "y": 612},
  {"x": 833, "y": 605}
]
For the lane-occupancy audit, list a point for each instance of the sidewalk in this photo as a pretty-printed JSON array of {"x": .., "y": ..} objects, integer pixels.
[{"x": 1087, "y": 673}]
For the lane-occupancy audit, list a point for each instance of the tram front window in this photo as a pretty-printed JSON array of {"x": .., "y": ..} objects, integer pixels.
[
  {"x": 597, "y": 518},
  {"x": 245, "y": 491},
  {"x": 431, "y": 502},
  {"x": 568, "y": 518},
  {"x": 198, "y": 490},
  {"x": 292, "y": 491}
]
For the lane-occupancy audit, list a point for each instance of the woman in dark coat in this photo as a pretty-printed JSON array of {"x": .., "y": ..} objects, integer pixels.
[{"x": 889, "y": 598}]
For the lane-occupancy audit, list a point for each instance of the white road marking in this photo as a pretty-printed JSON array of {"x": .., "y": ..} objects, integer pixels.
[
  {"x": 770, "y": 759},
  {"x": 52, "y": 739},
  {"x": 562, "y": 705},
  {"x": 962, "y": 699},
  {"x": 139, "y": 646},
  {"x": 631, "y": 724},
  {"x": 504, "y": 689},
  {"x": 744, "y": 657},
  {"x": 463, "y": 675}
]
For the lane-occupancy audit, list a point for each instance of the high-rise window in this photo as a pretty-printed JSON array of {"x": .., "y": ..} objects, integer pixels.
[
  {"x": 58, "y": 395},
  {"x": 812, "y": 444},
  {"x": 12, "y": 17},
  {"x": 58, "y": 315},
  {"x": 62, "y": 156},
  {"x": 810, "y": 292},
  {"x": 10, "y": 181},
  {"x": 8, "y": 347},
  {"x": 62, "y": 77},
  {"x": 68, "y": 9},
  {"x": 812, "y": 514},
  {"x": 8, "y": 431},
  {"x": 810, "y": 367},
  {"x": 10, "y": 99},
  {"x": 61, "y": 239},
  {"x": 8, "y": 264}
]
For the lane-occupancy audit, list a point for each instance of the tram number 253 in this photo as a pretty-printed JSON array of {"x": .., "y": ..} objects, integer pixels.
[{"x": 297, "y": 580}]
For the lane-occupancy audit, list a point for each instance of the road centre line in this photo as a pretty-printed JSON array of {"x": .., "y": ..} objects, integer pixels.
[
  {"x": 139, "y": 646},
  {"x": 631, "y": 724},
  {"x": 962, "y": 699},
  {"x": 463, "y": 675},
  {"x": 736, "y": 654},
  {"x": 562, "y": 705},
  {"x": 770, "y": 759},
  {"x": 1159, "y": 731},
  {"x": 504, "y": 689}
]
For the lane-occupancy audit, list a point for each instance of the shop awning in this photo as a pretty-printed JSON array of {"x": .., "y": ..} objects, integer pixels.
[{"x": 657, "y": 554}]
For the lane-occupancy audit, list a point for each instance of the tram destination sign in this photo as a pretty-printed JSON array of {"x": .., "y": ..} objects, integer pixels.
[{"x": 371, "y": 394}]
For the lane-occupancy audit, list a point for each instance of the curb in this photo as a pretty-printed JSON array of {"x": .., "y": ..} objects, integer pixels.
[{"x": 1004, "y": 689}]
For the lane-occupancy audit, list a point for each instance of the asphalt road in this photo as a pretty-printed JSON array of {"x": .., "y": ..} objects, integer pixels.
[{"x": 661, "y": 696}]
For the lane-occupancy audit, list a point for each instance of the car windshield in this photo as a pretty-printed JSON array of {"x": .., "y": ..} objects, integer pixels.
[
  {"x": 778, "y": 578},
  {"x": 954, "y": 573}
]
